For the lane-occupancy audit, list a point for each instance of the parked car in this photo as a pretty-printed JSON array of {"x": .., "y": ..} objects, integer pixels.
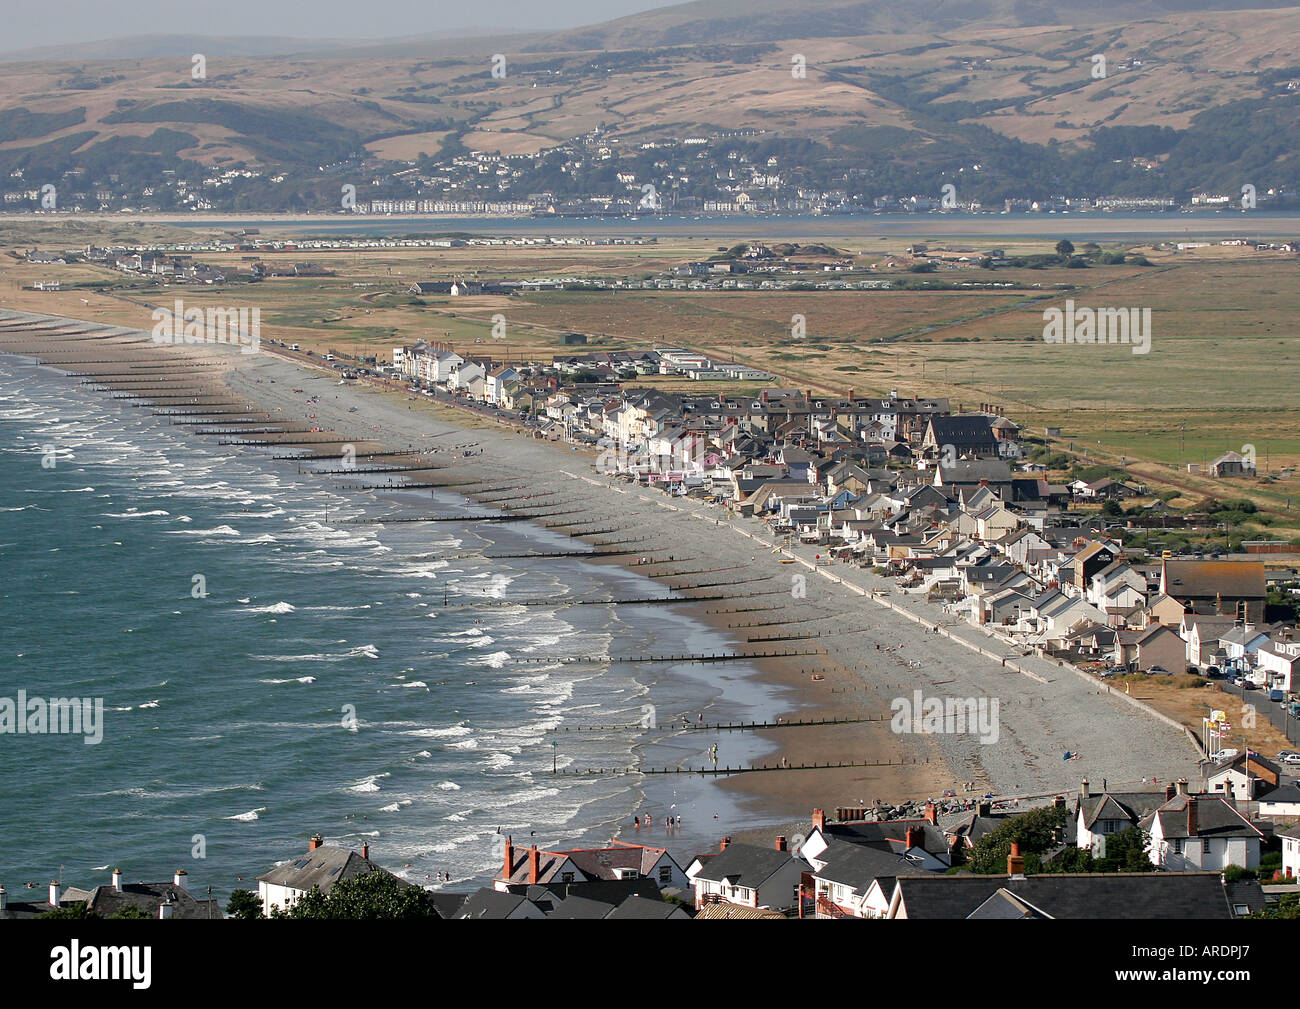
[
  {"x": 1293, "y": 759},
  {"x": 1276, "y": 695},
  {"x": 1284, "y": 754},
  {"x": 1222, "y": 755},
  {"x": 1158, "y": 671},
  {"x": 1213, "y": 672},
  {"x": 1193, "y": 671}
]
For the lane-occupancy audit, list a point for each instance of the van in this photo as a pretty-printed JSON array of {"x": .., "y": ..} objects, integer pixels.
[
  {"x": 1276, "y": 695},
  {"x": 329, "y": 357},
  {"x": 293, "y": 346}
]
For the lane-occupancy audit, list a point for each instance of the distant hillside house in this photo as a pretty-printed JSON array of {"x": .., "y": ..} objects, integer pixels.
[{"x": 969, "y": 434}]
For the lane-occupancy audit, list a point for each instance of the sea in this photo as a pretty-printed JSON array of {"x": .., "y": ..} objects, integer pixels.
[{"x": 269, "y": 668}]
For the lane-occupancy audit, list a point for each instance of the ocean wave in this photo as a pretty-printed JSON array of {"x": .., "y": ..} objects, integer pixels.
[
  {"x": 280, "y": 607},
  {"x": 295, "y": 679},
  {"x": 252, "y": 814},
  {"x": 415, "y": 683},
  {"x": 395, "y": 807},
  {"x": 369, "y": 783},
  {"x": 368, "y": 651},
  {"x": 131, "y": 513},
  {"x": 449, "y": 786},
  {"x": 495, "y": 660},
  {"x": 215, "y": 531}
]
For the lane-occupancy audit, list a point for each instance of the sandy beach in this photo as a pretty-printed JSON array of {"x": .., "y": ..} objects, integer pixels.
[{"x": 873, "y": 646}]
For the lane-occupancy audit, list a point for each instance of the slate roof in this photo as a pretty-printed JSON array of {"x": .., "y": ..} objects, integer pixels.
[
  {"x": 487, "y": 903},
  {"x": 932, "y": 838},
  {"x": 1130, "y": 806},
  {"x": 105, "y": 901},
  {"x": 1214, "y": 818},
  {"x": 321, "y": 868},
  {"x": 858, "y": 865},
  {"x": 744, "y": 865},
  {"x": 1114, "y": 896},
  {"x": 639, "y": 907}
]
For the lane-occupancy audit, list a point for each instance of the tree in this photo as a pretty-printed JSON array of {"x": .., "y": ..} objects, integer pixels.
[
  {"x": 77, "y": 910},
  {"x": 244, "y": 904},
  {"x": 1065, "y": 248},
  {"x": 1125, "y": 851},
  {"x": 1287, "y": 907},
  {"x": 372, "y": 897},
  {"x": 130, "y": 911},
  {"x": 1035, "y": 832}
]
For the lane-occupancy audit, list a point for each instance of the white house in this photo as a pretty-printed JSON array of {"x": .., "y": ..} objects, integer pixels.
[
  {"x": 748, "y": 875},
  {"x": 1199, "y": 832},
  {"x": 322, "y": 867},
  {"x": 1291, "y": 851}
]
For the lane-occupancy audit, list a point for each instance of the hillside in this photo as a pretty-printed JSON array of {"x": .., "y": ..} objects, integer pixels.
[{"x": 996, "y": 96}]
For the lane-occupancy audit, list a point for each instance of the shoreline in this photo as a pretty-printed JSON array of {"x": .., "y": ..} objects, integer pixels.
[{"x": 1043, "y": 713}]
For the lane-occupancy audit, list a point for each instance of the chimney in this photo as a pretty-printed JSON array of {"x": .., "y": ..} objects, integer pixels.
[
  {"x": 850, "y": 395},
  {"x": 1193, "y": 816},
  {"x": 819, "y": 819},
  {"x": 365, "y": 850},
  {"x": 1182, "y": 786},
  {"x": 722, "y": 845},
  {"x": 1015, "y": 863},
  {"x": 807, "y": 397},
  {"x": 180, "y": 878},
  {"x": 983, "y": 808},
  {"x": 165, "y": 909},
  {"x": 1083, "y": 789},
  {"x": 1170, "y": 791},
  {"x": 54, "y": 893},
  {"x": 914, "y": 836},
  {"x": 533, "y": 863},
  {"x": 315, "y": 842},
  {"x": 4, "y": 899},
  {"x": 117, "y": 880},
  {"x": 932, "y": 813},
  {"x": 1059, "y": 802},
  {"x": 764, "y": 395},
  {"x": 509, "y": 859},
  {"x": 780, "y": 843}
]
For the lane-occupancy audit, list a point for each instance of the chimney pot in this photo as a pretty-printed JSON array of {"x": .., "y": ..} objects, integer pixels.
[
  {"x": 1083, "y": 789},
  {"x": 315, "y": 842},
  {"x": 1015, "y": 862},
  {"x": 780, "y": 843},
  {"x": 1182, "y": 786},
  {"x": 117, "y": 880}
]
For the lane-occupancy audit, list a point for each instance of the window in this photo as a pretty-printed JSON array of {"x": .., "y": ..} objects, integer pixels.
[
  {"x": 665, "y": 874},
  {"x": 1205, "y": 846},
  {"x": 566, "y": 877},
  {"x": 1178, "y": 846}
]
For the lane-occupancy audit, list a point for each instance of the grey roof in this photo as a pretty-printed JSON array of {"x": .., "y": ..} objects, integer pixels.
[
  {"x": 1290, "y": 792},
  {"x": 640, "y": 907},
  {"x": 492, "y": 904},
  {"x": 580, "y": 908},
  {"x": 105, "y": 901},
  {"x": 1133, "y": 895},
  {"x": 321, "y": 868},
  {"x": 932, "y": 839},
  {"x": 858, "y": 865},
  {"x": 745, "y": 865},
  {"x": 1131, "y": 806},
  {"x": 1214, "y": 818}
]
